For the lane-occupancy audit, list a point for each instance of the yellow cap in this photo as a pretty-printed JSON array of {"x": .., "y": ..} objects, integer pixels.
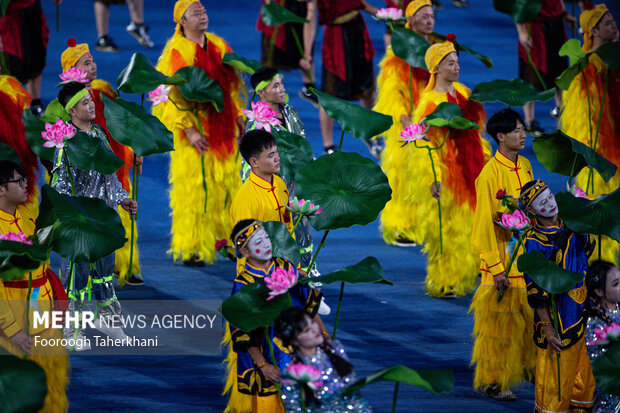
[
  {"x": 434, "y": 55},
  {"x": 588, "y": 20},
  {"x": 72, "y": 54},
  {"x": 179, "y": 10},
  {"x": 413, "y": 8}
]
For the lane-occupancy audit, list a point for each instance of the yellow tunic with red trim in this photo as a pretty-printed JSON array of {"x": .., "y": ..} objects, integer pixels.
[
  {"x": 395, "y": 98},
  {"x": 574, "y": 123},
  {"x": 194, "y": 232},
  {"x": 121, "y": 256},
  {"x": 457, "y": 165},
  {"x": 503, "y": 348},
  {"x": 12, "y": 315}
]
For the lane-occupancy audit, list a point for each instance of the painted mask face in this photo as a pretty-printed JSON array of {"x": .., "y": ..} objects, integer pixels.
[
  {"x": 544, "y": 205},
  {"x": 259, "y": 246}
]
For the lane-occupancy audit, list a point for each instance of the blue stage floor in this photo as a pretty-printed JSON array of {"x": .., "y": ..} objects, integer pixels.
[{"x": 380, "y": 325}]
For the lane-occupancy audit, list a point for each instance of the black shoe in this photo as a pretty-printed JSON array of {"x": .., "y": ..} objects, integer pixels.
[
  {"x": 375, "y": 146},
  {"x": 534, "y": 128},
  {"x": 555, "y": 112},
  {"x": 194, "y": 261},
  {"x": 37, "y": 109},
  {"x": 134, "y": 280},
  {"x": 308, "y": 96},
  {"x": 404, "y": 242},
  {"x": 460, "y": 3},
  {"x": 329, "y": 150},
  {"x": 140, "y": 33},
  {"x": 106, "y": 44}
]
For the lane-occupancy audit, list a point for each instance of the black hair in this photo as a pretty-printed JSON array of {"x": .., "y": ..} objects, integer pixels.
[
  {"x": 264, "y": 73},
  {"x": 68, "y": 91},
  {"x": 596, "y": 278},
  {"x": 254, "y": 142},
  {"x": 504, "y": 121},
  {"x": 239, "y": 226},
  {"x": 7, "y": 170}
]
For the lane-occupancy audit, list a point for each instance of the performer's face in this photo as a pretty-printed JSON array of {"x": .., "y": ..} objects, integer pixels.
[
  {"x": 544, "y": 205},
  {"x": 84, "y": 110},
  {"x": 606, "y": 29},
  {"x": 310, "y": 337},
  {"x": 423, "y": 21},
  {"x": 15, "y": 192},
  {"x": 268, "y": 162},
  {"x": 274, "y": 92},
  {"x": 448, "y": 69},
  {"x": 259, "y": 246},
  {"x": 612, "y": 286},
  {"x": 195, "y": 18},
  {"x": 514, "y": 140},
  {"x": 87, "y": 64}
]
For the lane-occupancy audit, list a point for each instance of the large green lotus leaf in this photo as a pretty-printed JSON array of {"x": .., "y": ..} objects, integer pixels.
[
  {"x": 295, "y": 152},
  {"x": 359, "y": 122},
  {"x": 606, "y": 370},
  {"x": 520, "y": 11},
  {"x": 17, "y": 258},
  {"x": 547, "y": 274},
  {"x": 435, "y": 380},
  {"x": 366, "y": 271},
  {"x": 450, "y": 115},
  {"x": 610, "y": 54},
  {"x": 410, "y": 46},
  {"x": 598, "y": 217},
  {"x": 562, "y": 154},
  {"x": 55, "y": 111},
  {"x": 22, "y": 385},
  {"x": 87, "y": 229},
  {"x": 241, "y": 63},
  {"x": 282, "y": 244},
  {"x": 462, "y": 48},
  {"x": 351, "y": 189},
  {"x": 514, "y": 92},
  {"x": 249, "y": 309},
  {"x": 3, "y": 6},
  {"x": 140, "y": 76},
  {"x": 88, "y": 153},
  {"x": 578, "y": 62},
  {"x": 34, "y": 127},
  {"x": 199, "y": 87},
  {"x": 131, "y": 125},
  {"x": 273, "y": 14},
  {"x": 8, "y": 154}
]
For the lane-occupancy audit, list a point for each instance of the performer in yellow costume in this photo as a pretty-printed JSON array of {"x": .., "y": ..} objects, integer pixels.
[
  {"x": 503, "y": 349},
  {"x": 78, "y": 55},
  {"x": 599, "y": 28},
  {"x": 400, "y": 87},
  {"x": 195, "y": 231},
  {"x": 45, "y": 293},
  {"x": 457, "y": 164}
]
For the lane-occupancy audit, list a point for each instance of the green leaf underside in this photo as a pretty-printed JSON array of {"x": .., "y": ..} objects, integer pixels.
[
  {"x": 17, "y": 258},
  {"x": 448, "y": 115},
  {"x": 22, "y": 385},
  {"x": 282, "y": 244},
  {"x": 241, "y": 63},
  {"x": 140, "y": 76},
  {"x": 434, "y": 380},
  {"x": 366, "y": 271},
  {"x": 610, "y": 54},
  {"x": 410, "y": 46},
  {"x": 578, "y": 62},
  {"x": 520, "y": 11},
  {"x": 295, "y": 152},
  {"x": 597, "y": 217},
  {"x": 547, "y": 274},
  {"x": 461, "y": 47},
  {"x": 34, "y": 127},
  {"x": 199, "y": 87},
  {"x": 513, "y": 93},
  {"x": 88, "y": 153},
  {"x": 8, "y": 154},
  {"x": 249, "y": 309},
  {"x": 606, "y": 368},
  {"x": 273, "y": 14}
]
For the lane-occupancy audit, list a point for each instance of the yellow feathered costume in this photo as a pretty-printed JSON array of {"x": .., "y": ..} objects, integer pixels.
[{"x": 195, "y": 231}]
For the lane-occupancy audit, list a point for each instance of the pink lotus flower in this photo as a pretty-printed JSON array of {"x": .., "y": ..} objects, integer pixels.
[
  {"x": 613, "y": 331},
  {"x": 262, "y": 115},
  {"x": 578, "y": 192},
  {"x": 390, "y": 13},
  {"x": 303, "y": 207},
  {"x": 159, "y": 95},
  {"x": 75, "y": 74},
  {"x": 16, "y": 237},
  {"x": 501, "y": 194},
  {"x": 304, "y": 373},
  {"x": 280, "y": 281},
  {"x": 413, "y": 132},
  {"x": 56, "y": 134},
  {"x": 517, "y": 221},
  {"x": 600, "y": 337}
]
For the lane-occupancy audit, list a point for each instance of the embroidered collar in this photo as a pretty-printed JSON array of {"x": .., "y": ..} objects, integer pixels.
[
  {"x": 549, "y": 230},
  {"x": 5, "y": 216},
  {"x": 260, "y": 182},
  {"x": 507, "y": 162},
  {"x": 259, "y": 272}
]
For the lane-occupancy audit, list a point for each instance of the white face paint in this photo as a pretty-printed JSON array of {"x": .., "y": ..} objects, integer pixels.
[
  {"x": 259, "y": 246},
  {"x": 544, "y": 205}
]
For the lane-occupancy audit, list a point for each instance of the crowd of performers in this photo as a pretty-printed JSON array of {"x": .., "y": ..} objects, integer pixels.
[{"x": 515, "y": 339}]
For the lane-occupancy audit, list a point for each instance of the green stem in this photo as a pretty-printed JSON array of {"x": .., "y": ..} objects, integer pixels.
[
  {"x": 599, "y": 246},
  {"x": 585, "y": 80},
  {"x": 410, "y": 93},
  {"x": 28, "y": 306},
  {"x": 438, "y": 200},
  {"x": 572, "y": 172},
  {"x": 301, "y": 399},
  {"x": 179, "y": 108},
  {"x": 395, "y": 397},
  {"x": 341, "y": 139},
  {"x": 316, "y": 253},
  {"x": 3, "y": 65},
  {"x": 338, "y": 310},
  {"x": 296, "y": 223},
  {"x": 273, "y": 358},
  {"x": 64, "y": 153},
  {"x": 271, "y": 45},
  {"x": 556, "y": 327},
  {"x": 133, "y": 217},
  {"x": 301, "y": 51},
  {"x": 513, "y": 257},
  {"x": 202, "y": 158},
  {"x": 70, "y": 280},
  {"x": 531, "y": 62}
]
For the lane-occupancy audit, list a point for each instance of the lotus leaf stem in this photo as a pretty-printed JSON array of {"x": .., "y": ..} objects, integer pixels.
[
  {"x": 338, "y": 310},
  {"x": 395, "y": 397}
]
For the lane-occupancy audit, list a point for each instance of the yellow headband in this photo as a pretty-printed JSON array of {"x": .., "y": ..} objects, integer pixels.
[
  {"x": 179, "y": 10},
  {"x": 72, "y": 54},
  {"x": 263, "y": 83},
  {"x": 245, "y": 234},
  {"x": 530, "y": 195},
  {"x": 413, "y": 8},
  {"x": 588, "y": 20},
  {"x": 434, "y": 55},
  {"x": 76, "y": 98}
]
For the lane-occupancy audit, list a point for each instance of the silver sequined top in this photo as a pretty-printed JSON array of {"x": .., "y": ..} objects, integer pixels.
[
  {"x": 89, "y": 183},
  {"x": 329, "y": 394},
  {"x": 603, "y": 402}
]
